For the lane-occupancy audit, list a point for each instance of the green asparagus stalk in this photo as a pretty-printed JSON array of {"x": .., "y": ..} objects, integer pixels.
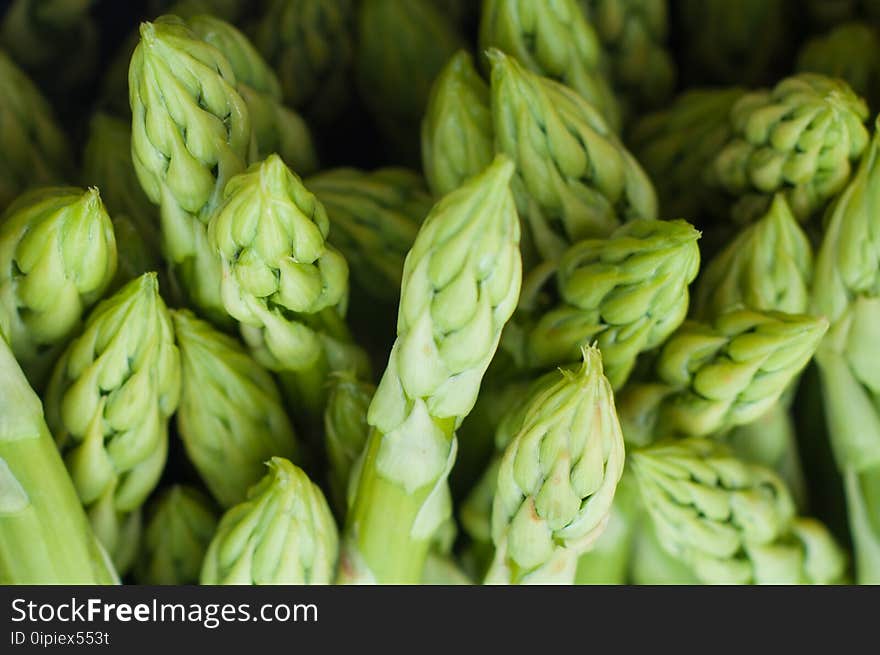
[
  {"x": 310, "y": 43},
  {"x": 849, "y": 51},
  {"x": 574, "y": 178},
  {"x": 846, "y": 290},
  {"x": 180, "y": 524},
  {"x": 677, "y": 144},
  {"x": 108, "y": 404},
  {"x": 557, "y": 479},
  {"x": 374, "y": 218},
  {"x": 627, "y": 293},
  {"x": 799, "y": 138},
  {"x": 731, "y": 522},
  {"x": 231, "y": 418},
  {"x": 745, "y": 42},
  {"x": 57, "y": 257},
  {"x": 45, "y": 537},
  {"x": 283, "y": 282},
  {"x": 554, "y": 40},
  {"x": 457, "y": 138},
  {"x": 282, "y": 534},
  {"x": 276, "y": 128},
  {"x": 191, "y": 132},
  {"x": 402, "y": 45},
  {"x": 768, "y": 266},
  {"x": 444, "y": 570},
  {"x": 34, "y": 149},
  {"x": 461, "y": 281},
  {"x": 346, "y": 431},
  {"x": 634, "y": 35}
]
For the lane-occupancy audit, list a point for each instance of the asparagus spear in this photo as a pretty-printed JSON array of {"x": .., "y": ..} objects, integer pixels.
[
  {"x": 846, "y": 290},
  {"x": 557, "y": 479},
  {"x": 282, "y": 534},
  {"x": 714, "y": 376},
  {"x": 460, "y": 284},
  {"x": 57, "y": 257},
  {"x": 45, "y": 537},
  {"x": 180, "y": 525},
  {"x": 457, "y": 138},
  {"x": 191, "y": 132},
  {"x": 108, "y": 404},
  {"x": 768, "y": 266},
  {"x": 627, "y": 293},
  {"x": 557, "y": 140},
  {"x": 283, "y": 282},
  {"x": 798, "y": 138},
  {"x": 230, "y": 418}
]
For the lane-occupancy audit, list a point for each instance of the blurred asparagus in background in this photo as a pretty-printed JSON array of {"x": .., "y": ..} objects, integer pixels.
[{"x": 180, "y": 524}]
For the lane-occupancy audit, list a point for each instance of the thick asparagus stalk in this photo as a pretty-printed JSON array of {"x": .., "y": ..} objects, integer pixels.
[
  {"x": 461, "y": 281},
  {"x": 45, "y": 536}
]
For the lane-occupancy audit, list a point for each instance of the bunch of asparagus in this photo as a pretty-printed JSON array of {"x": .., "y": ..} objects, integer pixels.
[{"x": 432, "y": 292}]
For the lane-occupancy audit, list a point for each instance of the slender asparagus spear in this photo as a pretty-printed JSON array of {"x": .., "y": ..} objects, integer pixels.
[
  {"x": 180, "y": 524},
  {"x": 230, "y": 418},
  {"x": 457, "y": 137},
  {"x": 108, "y": 404},
  {"x": 282, "y": 534},
  {"x": 35, "y": 150},
  {"x": 557, "y": 479},
  {"x": 557, "y": 139},
  {"x": 45, "y": 537},
  {"x": 461, "y": 281},
  {"x": 846, "y": 290},
  {"x": 57, "y": 257},
  {"x": 731, "y": 522},
  {"x": 191, "y": 132},
  {"x": 283, "y": 282}
]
